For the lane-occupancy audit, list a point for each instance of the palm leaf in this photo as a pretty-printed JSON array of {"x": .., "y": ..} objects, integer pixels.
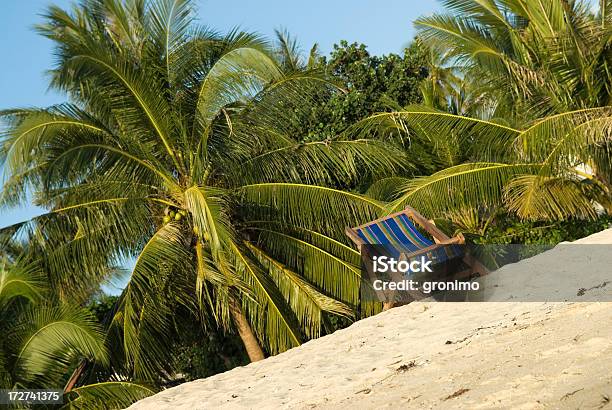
[
  {"x": 49, "y": 338},
  {"x": 108, "y": 395},
  {"x": 170, "y": 22},
  {"x": 561, "y": 139},
  {"x": 240, "y": 71},
  {"x": 330, "y": 163},
  {"x": 387, "y": 189},
  {"x": 148, "y": 113},
  {"x": 305, "y": 300},
  {"x": 487, "y": 140},
  {"x": 145, "y": 313},
  {"x": 29, "y": 130},
  {"x": 540, "y": 197},
  {"x": 20, "y": 282},
  {"x": 329, "y": 264},
  {"x": 467, "y": 185},
  {"x": 321, "y": 209},
  {"x": 272, "y": 320}
]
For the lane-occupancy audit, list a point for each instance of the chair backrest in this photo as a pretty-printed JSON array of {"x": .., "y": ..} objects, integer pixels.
[
  {"x": 395, "y": 230},
  {"x": 398, "y": 234}
]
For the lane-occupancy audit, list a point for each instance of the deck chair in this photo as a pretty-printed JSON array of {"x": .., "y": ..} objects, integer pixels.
[{"x": 400, "y": 237}]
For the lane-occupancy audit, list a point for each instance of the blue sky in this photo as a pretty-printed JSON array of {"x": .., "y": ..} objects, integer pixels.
[{"x": 384, "y": 27}]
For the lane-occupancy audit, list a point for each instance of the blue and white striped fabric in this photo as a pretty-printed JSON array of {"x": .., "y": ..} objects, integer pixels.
[{"x": 398, "y": 235}]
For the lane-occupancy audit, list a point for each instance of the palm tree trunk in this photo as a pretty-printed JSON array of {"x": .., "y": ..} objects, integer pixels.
[
  {"x": 246, "y": 334},
  {"x": 74, "y": 377}
]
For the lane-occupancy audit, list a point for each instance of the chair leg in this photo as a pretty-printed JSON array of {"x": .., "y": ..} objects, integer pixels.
[{"x": 478, "y": 268}]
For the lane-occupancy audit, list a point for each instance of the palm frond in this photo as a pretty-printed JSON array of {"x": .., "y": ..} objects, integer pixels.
[
  {"x": 170, "y": 22},
  {"x": 240, "y": 71},
  {"x": 85, "y": 237},
  {"x": 206, "y": 208},
  {"x": 268, "y": 120},
  {"x": 330, "y": 163},
  {"x": 605, "y": 12},
  {"x": 288, "y": 51},
  {"x": 305, "y": 300},
  {"x": 49, "y": 338},
  {"x": 29, "y": 130},
  {"x": 485, "y": 140},
  {"x": 272, "y": 320},
  {"x": 145, "y": 310},
  {"x": 539, "y": 197},
  {"x": 387, "y": 189},
  {"x": 147, "y": 113},
  {"x": 463, "y": 38},
  {"x": 110, "y": 395},
  {"x": 20, "y": 282},
  {"x": 321, "y": 209},
  {"x": 467, "y": 185},
  {"x": 323, "y": 261},
  {"x": 560, "y": 140}
]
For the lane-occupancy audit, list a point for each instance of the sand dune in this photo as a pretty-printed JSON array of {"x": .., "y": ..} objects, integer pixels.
[{"x": 520, "y": 355}]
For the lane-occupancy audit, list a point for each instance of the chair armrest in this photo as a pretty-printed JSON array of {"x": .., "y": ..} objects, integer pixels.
[
  {"x": 457, "y": 240},
  {"x": 432, "y": 229},
  {"x": 352, "y": 234}
]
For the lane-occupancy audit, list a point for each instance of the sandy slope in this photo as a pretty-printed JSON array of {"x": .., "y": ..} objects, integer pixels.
[{"x": 447, "y": 355}]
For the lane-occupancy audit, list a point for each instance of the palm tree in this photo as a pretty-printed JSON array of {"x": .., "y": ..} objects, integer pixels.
[
  {"x": 448, "y": 89},
  {"x": 290, "y": 56},
  {"x": 441, "y": 83},
  {"x": 548, "y": 170},
  {"x": 175, "y": 151},
  {"x": 41, "y": 341},
  {"x": 542, "y": 150},
  {"x": 536, "y": 57}
]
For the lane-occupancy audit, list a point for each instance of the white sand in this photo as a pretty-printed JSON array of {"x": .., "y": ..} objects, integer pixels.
[{"x": 524, "y": 355}]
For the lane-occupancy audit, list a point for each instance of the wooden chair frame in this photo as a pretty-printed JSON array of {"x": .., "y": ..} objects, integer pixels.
[{"x": 439, "y": 237}]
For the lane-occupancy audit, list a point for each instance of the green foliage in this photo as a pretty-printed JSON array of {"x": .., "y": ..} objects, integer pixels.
[
  {"x": 370, "y": 84},
  {"x": 42, "y": 342},
  {"x": 107, "y": 395},
  {"x": 547, "y": 171},
  {"x": 535, "y": 78},
  {"x": 223, "y": 164},
  {"x": 165, "y": 116},
  {"x": 196, "y": 352},
  {"x": 534, "y": 58},
  {"x": 512, "y": 231},
  {"x": 199, "y": 353},
  {"x": 40, "y": 339},
  {"x": 102, "y": 307}
]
